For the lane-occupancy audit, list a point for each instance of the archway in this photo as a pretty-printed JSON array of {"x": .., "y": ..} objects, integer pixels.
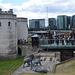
[{"x": 19, "y": 51}]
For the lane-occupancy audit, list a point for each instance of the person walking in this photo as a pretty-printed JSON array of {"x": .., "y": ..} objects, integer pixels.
[{"x": 62, "y": 40}]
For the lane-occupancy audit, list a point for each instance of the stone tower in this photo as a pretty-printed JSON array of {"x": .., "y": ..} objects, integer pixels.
[
  {"x": 22, "y": 28},
  {"x": 8, "y": 35}
]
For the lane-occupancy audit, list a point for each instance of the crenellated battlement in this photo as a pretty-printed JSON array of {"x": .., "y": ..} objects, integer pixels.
[{"x": 6, "y": 12}]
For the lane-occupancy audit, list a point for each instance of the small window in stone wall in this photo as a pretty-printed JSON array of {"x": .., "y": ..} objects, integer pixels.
[
  {"x": 9, "y": 24},
  {"x": 0, "y": 24}
]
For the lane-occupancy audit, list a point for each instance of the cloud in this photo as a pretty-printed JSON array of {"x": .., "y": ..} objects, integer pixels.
[
  {"x": 1, "y": 0},
  {"x": 54, "y": 6},
  {"x": 5, "y": 6},
  {"x": 38, "y": 8}
]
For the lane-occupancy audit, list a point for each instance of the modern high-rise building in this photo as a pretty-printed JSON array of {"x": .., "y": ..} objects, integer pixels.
[
  {"x": 73, "y": 20},
  {"x": 69, "y": 21},
  {"x": 52, "y": 22},
  {"x": 37, "y": 23},
  {"x": 63, "y": 22}
]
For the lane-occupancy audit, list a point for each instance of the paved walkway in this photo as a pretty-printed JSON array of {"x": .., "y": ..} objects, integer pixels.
[{"x": 45, "y": 64}]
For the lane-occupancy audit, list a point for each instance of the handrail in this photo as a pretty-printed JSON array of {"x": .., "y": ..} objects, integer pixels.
[{"x": 57, "y": 42}]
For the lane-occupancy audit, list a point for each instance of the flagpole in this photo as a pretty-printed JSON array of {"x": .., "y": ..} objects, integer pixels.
[{"x": 47, "y": 15}]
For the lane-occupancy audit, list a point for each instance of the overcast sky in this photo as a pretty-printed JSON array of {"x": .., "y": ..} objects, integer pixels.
[{"x": 38, "y": 8}]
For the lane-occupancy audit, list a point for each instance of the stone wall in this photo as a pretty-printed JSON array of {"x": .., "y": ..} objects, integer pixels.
[
  {"x": 22, "y": 28},
  {"x": 11, "y": 29},
  {"x": 8, "y": 57},
  {"x": 26, "y": 50},
  {"x": 8, "y": 36},
  {"x": 50, "y": 56}
]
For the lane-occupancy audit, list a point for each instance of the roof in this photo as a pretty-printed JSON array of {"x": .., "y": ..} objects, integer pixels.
[{"x": 35, "y": 35}]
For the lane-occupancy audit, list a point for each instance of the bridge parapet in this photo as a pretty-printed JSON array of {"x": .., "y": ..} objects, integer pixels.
[{"x": 51, "y": 43}]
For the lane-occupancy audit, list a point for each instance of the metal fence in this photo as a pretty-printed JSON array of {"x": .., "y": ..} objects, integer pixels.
[{"x": 56, "y": 42}]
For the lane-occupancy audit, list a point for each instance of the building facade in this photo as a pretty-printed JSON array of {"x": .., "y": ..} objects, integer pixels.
[
  {"x": 52, "y": 22},
  {"x": 37, "y": 23},
  {"x": 73, "y": 20},
  {"x": 9, "y": 30},
  {"x": 61, "y": 22},
  {"x": 64, "y": 22},
  {"x": 69, "y": 21}
]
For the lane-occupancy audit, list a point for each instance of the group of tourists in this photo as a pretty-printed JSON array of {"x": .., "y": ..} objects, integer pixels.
[
  {"x": 21, "y": 41},
  {"x": 64, "y": 40}
]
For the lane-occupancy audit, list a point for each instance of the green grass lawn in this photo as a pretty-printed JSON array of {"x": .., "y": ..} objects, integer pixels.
[
  {"x": 9, "y": 66},
  {"x": 66, "y": 67}
]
